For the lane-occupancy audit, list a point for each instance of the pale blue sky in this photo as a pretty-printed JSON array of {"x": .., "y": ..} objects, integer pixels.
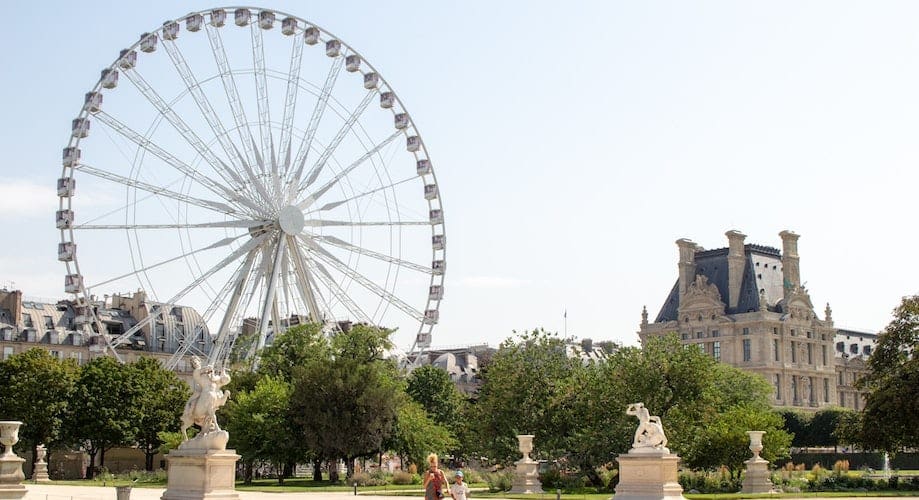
[{"x": 573, "y": 143}]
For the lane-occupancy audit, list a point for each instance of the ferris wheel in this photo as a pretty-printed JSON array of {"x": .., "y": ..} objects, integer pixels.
[{"x": 250, "y": 165}]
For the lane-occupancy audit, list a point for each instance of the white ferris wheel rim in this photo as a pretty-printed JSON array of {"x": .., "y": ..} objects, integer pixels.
[{"x": 290, "y": 219}]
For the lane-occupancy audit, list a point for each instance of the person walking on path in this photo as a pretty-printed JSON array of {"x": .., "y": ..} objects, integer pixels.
[
  {"x": 459, "y": 490},
  {"x": 434, "y": 480}
]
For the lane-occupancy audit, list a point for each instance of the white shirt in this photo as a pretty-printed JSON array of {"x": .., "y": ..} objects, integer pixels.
[{"x": 459, "y": 490}]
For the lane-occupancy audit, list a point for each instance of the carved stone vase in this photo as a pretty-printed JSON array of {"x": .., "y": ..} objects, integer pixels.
[
  {"x": 11, "y": 475},
  {"x": 526, "y": 476},
  {"x": 756, "y": 479},
  {"x": 40, "y": 470}
]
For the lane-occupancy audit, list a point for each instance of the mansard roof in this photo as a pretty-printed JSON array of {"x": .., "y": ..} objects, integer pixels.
[{"x": 762, "y": 271}]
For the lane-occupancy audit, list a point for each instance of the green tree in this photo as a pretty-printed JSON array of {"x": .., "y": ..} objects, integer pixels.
[
  {"x": 37, "y": 389},
  {"x": 723, "y": 441},
  {"x": 292, "y": 348},
  {"x": 104, "y": 409},
  {"x": 890, "y": 418},
  {"x": 345, "y": 400},
  {"x": 796, "y": 423},
  {"x": 821, "y": 430},
  {"x": 432, "y": 388},
  {"x": 161, "y": 397},
  {"x": 519, "y": 384},
  {"x": 416, "y": 434},
  {"x": 259, "y": 427}
]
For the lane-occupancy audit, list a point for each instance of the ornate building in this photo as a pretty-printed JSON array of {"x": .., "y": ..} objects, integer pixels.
[
  {"x": 744, "y": 305},
  {"x": 66, "y": 331}
]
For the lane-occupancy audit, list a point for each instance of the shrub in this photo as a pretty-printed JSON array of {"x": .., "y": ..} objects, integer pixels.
[
  {"x": 365, "y": 479},
  {"x": 841, "y": 466},
  {"x": 473, "y": 476},
  {"x": 499, "y": 481},
  {"x": 400, "y": 477}
]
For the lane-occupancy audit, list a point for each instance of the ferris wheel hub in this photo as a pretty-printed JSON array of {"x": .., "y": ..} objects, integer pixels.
[{"x": 290, "y": 218}]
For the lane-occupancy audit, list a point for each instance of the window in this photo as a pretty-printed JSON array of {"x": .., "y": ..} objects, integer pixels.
[
  {"x": 700, "y": 335},
  {"x": 842, "y": 399},
  {"x": 841, "y": 346},
  {"x": 746, "y": 331},
  {"x": 7, "y": 352},
  {"x": 810, "y": 353},
  {"x": 684, "y": 336},
  {"x": 716, "y": 333},
  {"x": 853, "y": 348},
  {"x": 794, "y": 388},
  {"x": 793, "y": 333},
  {"x": 794, "y": 352},
  {"x": 842, "y": 379},
  {"x": 775, "y": 349},
  {"x": 826, "y": 390},
  {"x": 809, "y": 334},
  {"x": 823, "y": 354},
  {"x": 746, "y": 350},
  {"x": 777, "y": 381},
  {"x": 27, "y": 320},
  {"x": 49, "y": 322},
  {"x": 56, "y": 354},
  {"x": 716, "y": 351},
  {"x": 77, "y": 356},
  {"x": 775, "y": 330},
  {"x": 866, "y": 350}
]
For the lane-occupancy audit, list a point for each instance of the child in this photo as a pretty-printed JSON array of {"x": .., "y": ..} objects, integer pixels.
[{"x": 459, "y": 490}]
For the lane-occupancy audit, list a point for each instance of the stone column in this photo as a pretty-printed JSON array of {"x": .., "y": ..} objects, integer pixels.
[
  {"x": 791, "y": 271},
  {"x": 526, "y": 475},
  {"x": 11, "y": 475},
  {"x": 756, "y": 479}
]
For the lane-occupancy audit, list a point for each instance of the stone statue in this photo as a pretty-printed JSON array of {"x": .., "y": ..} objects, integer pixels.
[
  {"x": 202, "y": 406},
  {"x": 650, "y": 432}
]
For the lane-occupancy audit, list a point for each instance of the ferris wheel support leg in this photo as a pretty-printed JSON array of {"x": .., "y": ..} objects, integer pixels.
[
  {"x": 223, "y": 333},
  {"x": 303, "y": 280},
  {"x": 269, "y": 300}
]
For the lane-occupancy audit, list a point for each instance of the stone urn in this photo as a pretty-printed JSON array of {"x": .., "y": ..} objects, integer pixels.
[
  {"x": 756, "y": 443},
  {"x": 9, "y": 436},
  {"x": 526, "y": 473},
  {"x": 11, "y": 475},
  {"x": 526, "y": 446}
]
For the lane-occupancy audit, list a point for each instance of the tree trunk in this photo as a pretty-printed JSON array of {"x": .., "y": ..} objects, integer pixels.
[
  {"x": 349, "y": 464},
  {"x": 91, "y": 469},
  {"x": 317, "y": 470},
  {"x": 247, "y": 473},
  {"x": 595, "y": 479},
  {"x": 333, "y": 471},
  {"x": 289, "y": 469},
  {"x": 148, "y": 458},
  {"x": 279, "y": 469},
  {"x": 102, "y": 457}
]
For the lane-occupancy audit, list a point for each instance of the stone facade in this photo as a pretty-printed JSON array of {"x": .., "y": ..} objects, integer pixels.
[{"x": 745, "y": 306}]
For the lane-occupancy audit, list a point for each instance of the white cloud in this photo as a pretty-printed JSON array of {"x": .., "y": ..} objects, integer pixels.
[
  {"x": 492, "y": 282},
  {"x": 19, "y": 197}
]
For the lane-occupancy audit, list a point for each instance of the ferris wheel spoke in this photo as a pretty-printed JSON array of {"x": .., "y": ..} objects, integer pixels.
[
  {"x": 207, "y": 110},
  {"x": 318, "y": 110},
  {"x": 232, "y": 92},
  {"x": 336, "y": 204},
  {"x": 158, "y": 190},
  {"x": 222, "y": 243},
  {"x": 261, "y": 89},
  {"x": 337, "y": 242},
  {"x": 236, "y": 254},
  {"x": 333, "y": 144},
  {"x": 290, "y": 101},
  {"x": 227, "y": 174},
  {"x": 337, "y": 292},
  {"x": 219, "y": 224},
  {"x": 158, "y": 151},
  {"x": 367, "y": 283},
  {"x": 309, "y": 200},
  {"x": 344, "y": 223}
]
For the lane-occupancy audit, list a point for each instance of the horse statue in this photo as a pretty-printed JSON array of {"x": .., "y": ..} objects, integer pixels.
[
  {"x": 201, "y": 407},
  {"x": 650, "y": 432}
]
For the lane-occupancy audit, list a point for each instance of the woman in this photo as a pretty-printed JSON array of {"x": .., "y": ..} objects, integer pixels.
[{"x": 434, "y": 480}]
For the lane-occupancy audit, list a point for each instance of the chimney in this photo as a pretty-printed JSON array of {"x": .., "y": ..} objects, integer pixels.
[
  {"x": 12, "y": 301},
  {"x": 736, "y": 261},
  {"x": 687, "y": 263},
  {"x": 791, "y": 271}
]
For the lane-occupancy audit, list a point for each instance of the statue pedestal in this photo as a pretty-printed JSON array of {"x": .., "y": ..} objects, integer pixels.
[
  {"x": 756, "y": 479},
  {"x": 11, "y": 477},
  {"x": 526, "y": 477},
  {"x": 40, "y": 473},
  {"x": 648, "y": 474},
  {"x": 201, "y": 474}
]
